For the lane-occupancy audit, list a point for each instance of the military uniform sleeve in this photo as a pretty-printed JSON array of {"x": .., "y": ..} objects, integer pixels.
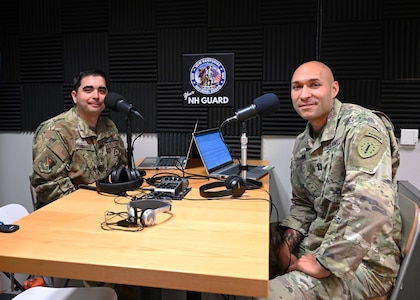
[
  {"x": 367, "y": 204},
  {"x": 50, "y": 159},
  {"x": 300, "y": 216},
  {"x": 301, "y": 212}
]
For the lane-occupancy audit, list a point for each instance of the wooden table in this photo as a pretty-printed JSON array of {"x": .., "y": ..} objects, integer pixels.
[{"x": 216, "y": 246}]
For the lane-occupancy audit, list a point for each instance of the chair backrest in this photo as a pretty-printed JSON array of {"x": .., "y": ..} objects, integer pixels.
[
  {"x": 10, "y": 213},
  {"x": 409, "y": 234},
  {"x": 410, "y": 231},
  {"x": 68, "y": 293},
  {"x": 33, "y": 194}
]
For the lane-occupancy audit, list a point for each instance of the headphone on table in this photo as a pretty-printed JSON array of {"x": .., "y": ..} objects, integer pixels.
[
  {"x": 119, "y": 180},
  {"x": 235, "y": 186},
  {"x": 149, "y": 210}
]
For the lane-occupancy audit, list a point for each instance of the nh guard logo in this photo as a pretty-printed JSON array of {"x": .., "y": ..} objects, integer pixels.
[{"x": 208, "y": 75}]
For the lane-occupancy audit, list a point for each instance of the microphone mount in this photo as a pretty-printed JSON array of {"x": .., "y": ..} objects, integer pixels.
[
  {"x": 131, "y": 110},
  {"x": 244, "y": 151},
  {"x": 129, "y": 140}
]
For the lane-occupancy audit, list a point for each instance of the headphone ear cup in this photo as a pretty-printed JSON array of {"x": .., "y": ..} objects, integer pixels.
[
  {"x": 236, "y": 184},
  {"x": 119, "y": 175},
  {"x": 132, "y": 215},
  {"x": 149, "y": 210},
  {"x": 120, "y": 180},
  {"x": 148, "y": 217},
  {"x": 133, "y": 174},
  {"x": 252, "y": 184}
]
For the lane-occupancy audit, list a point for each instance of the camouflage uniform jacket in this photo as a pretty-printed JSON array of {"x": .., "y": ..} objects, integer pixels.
[
  {"x": 345, "y": 199},
  {"x": 66, "y": 153}
]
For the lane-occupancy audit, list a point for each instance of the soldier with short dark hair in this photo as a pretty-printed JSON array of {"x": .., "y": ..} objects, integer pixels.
[
  {"x": 341, "y": 237},
  {"x": 77, "y": 146}
]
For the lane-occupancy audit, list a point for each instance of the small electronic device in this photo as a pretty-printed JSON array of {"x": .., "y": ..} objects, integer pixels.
[
  {"x": 174, "y": 186},
  {"x": 8, "y": 228}
]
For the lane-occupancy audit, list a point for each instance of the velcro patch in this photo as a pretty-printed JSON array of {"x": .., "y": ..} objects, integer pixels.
[
  {"x": 368, "y": 150},
  {"x": 83, "y": 145},
  {"x": 375, "y": 135},
  {"x": 46, "y": 166}
]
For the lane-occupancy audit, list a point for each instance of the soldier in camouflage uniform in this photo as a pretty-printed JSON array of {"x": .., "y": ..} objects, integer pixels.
[
  {"x": 341, "y": 237},
  {"x": 77, "y": 146}
]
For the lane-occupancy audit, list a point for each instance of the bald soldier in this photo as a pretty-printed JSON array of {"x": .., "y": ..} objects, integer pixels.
[
  {"x": 78, "y": 146},
  {"x": 341, "y": 237}
]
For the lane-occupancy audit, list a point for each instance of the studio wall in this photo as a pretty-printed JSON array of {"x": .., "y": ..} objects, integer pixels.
[{"x": 372, "y": 47}]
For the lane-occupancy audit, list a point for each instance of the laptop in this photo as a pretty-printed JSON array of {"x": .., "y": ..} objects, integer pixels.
[
  {"x": 217, "y": 159},
  {"x": 168, "y": 162}
]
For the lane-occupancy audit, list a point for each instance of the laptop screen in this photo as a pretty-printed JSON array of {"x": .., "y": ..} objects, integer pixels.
[{"x": 213, "y": 150}]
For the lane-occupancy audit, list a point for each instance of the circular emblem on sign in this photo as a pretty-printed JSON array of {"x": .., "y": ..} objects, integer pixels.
[
  {"x": 208, "y": 75},
  {"x": 368, "y": 148}
]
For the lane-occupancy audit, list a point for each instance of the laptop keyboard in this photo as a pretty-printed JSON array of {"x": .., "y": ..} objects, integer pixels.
[
  {"x": 167, "y": 162},
  {"x": 235, "y": 170},
  {"x": 232, "y": 170}
]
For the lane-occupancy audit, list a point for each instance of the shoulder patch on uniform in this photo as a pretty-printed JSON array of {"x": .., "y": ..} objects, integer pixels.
[
  {"x": 375, "y": 135},
  {"x": 368, "y": 147},
  {"x": 46, "y": 166}
]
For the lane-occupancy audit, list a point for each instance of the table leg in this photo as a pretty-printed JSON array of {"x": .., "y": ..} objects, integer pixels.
[
  {"x": 193, "y": 295},
  {"x": 149, "y": 293}
]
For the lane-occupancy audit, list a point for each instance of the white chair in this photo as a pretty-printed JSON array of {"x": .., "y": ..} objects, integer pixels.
[
  {"x": 410, "y": 216},
  {"x": 11, "y": 213},
  {"x": 68, "y": 293},
  {"x": 33, "y": 194}
]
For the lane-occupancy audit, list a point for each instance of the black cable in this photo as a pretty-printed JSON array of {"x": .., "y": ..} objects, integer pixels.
[
  {"x": 272, "y": 205},
  {"x": 132, "y": 144},
  {"x": 125, "y": 197},
  {"x": 121, "y": 225},
  {"x": 227, "y": 297},
  {"x": 194, "y": 175}
]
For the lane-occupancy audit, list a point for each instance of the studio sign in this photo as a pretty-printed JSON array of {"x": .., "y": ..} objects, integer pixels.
[{"x": 207, "y": 82}]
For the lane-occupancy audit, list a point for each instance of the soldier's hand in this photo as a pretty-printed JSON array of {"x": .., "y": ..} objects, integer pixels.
[{"x": 309, "y": 265}]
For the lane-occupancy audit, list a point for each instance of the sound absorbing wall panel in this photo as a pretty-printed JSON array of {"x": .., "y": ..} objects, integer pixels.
[{"x": 372, "y": 47}]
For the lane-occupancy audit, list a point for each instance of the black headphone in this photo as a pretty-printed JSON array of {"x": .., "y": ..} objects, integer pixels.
[
  {"x": 252, "y": 184},
  {"x": 149, "y": 210},
  {"x": 235, "y": 186},
  {"x": 119, "y": 180}
]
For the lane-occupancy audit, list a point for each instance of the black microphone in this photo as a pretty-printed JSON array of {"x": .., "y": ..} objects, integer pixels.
[
  {"x": 117, "y": 102},
  {"x": 262, "y": 106}
]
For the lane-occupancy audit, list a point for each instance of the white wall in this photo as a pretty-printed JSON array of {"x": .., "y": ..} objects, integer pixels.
[{"x": 16, "y": 162}]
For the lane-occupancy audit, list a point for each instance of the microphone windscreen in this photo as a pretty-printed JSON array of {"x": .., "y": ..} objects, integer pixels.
[
  {"x": 266, "y": 104},
  {"x": 111, "y": 100}
]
